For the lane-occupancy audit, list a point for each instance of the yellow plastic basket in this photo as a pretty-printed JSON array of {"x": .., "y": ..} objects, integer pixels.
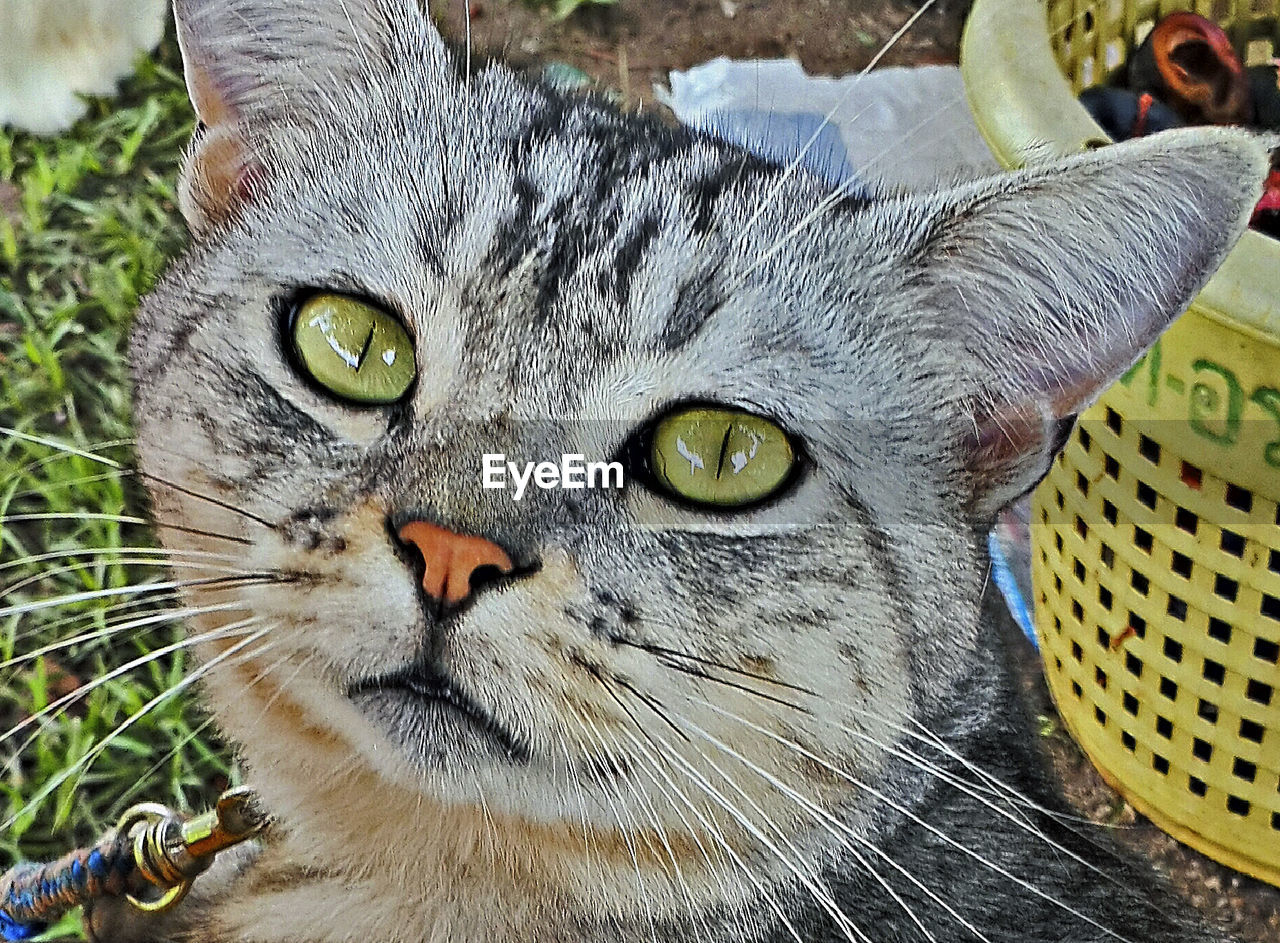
[{"x": 1156, "y": 536}]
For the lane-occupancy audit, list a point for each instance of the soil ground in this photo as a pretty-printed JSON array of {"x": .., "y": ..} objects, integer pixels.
[
  {"x": 629, "y": 47},
  {"x": 632, "y": 44}
]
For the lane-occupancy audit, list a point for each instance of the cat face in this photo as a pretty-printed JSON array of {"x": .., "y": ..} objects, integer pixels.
[{"x": 686, "y": 702}]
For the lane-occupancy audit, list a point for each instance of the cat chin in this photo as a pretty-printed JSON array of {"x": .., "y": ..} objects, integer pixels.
[
  {"x": 481, "y": 828},
  {"x": 435, "y": 733},
  {"x": 307, "y": 732}
]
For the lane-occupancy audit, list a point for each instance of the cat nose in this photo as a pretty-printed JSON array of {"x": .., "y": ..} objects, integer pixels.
[{"x": 452, "y": 562}]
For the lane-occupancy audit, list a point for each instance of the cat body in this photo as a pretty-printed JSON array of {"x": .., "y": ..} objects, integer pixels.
[{"x": 651, "y": 719}]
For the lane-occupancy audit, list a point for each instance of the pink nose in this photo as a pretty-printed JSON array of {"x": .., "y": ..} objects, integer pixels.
[{"x": 450, "y": 559}]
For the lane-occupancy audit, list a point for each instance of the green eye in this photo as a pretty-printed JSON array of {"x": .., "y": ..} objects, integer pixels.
[
  {"x": 353, "y": 350},
  {"x": 722, "y": 457}
]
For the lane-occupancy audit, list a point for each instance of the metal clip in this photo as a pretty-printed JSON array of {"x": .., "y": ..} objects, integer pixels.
[{"x": 170, "y": 851}]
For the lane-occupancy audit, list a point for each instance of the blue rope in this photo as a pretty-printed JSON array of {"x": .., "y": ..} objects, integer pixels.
[
  {"x": 11, "y": 931},
  {"x": 32, "y": 896}
]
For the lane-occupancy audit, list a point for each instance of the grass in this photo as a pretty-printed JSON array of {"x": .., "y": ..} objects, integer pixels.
[{"x": 87, "y": 221}]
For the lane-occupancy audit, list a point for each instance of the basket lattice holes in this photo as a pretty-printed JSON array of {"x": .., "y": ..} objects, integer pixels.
[
  {"x": 1158, "y": 586},
  {"x": 1156, "y": 535},
  {"x": 1155, "y": 539},
  {"x": 1093, "y": 38}
]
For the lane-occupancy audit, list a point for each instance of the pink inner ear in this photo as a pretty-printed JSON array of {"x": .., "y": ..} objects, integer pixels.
[
  {"x": 1012, "y": 443},
  {"x": 211, "y": 105},
  {"x": 220, "y": 176},
  {"x": 212, "y": 101},
  {"x": 1004, "y": 432},
  {"x": 1064, "y": 390},
  {"x": 1039, "y": 395}
]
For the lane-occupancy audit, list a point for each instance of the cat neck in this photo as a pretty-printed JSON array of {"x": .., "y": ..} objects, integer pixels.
[{"x": 985, "y": 832}]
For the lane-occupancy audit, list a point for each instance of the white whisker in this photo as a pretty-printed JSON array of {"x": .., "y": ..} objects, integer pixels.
[
  {"x": 138, "y": 623},
  {"x": 832, "y": 824},
  {"x": 248, "y": 579},
  {"x": 572, "y": 770},
  {"x": 937, "y": 832},
  {"x": 124, "y": 552},
  {"x": 73, "y": 516},
  {"x": 798, "y": 160},
  {"x": 69, "y": 483},
  {"x": 95, "y": 616},
  {"x": 821, "y": 895},
  {"x": 85, "y": 761},
  {"x": 999, "y": 787},
  {"x": 975, "y": 793},
  {"x": 54, "y": 572},
  {"x": 642, "y": 797},
  {"x": 62, "y": 447},
  {"x": 237, "y": 628},
  {"x": 619, "y": 810},
  {"x": 702, "y": 815}
]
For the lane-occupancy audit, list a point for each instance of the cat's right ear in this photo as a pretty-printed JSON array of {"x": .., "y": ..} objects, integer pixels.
[
  {"x": 256, "y": 68},
  {"x": 1045, "y": 285}
]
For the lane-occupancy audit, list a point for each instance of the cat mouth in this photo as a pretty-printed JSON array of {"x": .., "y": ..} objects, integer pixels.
[{"x": 428, "y": 712}]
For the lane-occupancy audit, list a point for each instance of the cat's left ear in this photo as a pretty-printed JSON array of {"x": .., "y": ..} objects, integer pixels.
[
  {"x": 256, "y": 68},
  {"x": 1051, "y": 282}
]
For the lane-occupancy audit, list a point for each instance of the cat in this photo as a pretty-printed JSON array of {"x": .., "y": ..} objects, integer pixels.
[
  {"x": 782, "y": 712},
  {"x": 57, "y": 50}
]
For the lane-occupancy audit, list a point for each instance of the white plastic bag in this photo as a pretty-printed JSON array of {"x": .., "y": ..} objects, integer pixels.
[{"x": 895, "y": 128}]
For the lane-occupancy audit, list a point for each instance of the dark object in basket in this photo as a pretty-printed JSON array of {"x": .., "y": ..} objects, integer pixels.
[
  {"x": 1188, "y": 63},
  {"x": 1187, "y": 72},
  {"x": 1124, "y": 114},
  {"x": 1266, "y": 217},
  {"x": 1264, "y": 83}
]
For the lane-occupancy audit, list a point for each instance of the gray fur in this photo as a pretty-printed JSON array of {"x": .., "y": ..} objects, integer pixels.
[{"x": 568, "y": 273}]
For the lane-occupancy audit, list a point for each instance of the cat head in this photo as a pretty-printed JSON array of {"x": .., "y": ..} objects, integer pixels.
[{"x": 620, "y": 683}]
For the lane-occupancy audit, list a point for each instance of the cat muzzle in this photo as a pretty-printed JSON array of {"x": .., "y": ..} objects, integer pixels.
[{"x": 433, "y": 686}]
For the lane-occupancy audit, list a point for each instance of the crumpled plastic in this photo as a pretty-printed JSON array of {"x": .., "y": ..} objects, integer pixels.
[{"x": 890, "y": 129}]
